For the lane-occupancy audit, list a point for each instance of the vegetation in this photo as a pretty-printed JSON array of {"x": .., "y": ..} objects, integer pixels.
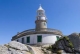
[{"x": 55, "y": 48}]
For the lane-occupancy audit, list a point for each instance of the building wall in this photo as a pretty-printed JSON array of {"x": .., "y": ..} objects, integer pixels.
[{"x": 46, "y": 39}]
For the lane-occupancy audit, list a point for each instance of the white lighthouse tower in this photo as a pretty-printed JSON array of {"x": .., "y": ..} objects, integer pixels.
[{"x": 41, "y": 21}]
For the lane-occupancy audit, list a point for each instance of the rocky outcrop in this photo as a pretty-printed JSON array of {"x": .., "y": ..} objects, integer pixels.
[
  {"x": 63, "y": 44},
  {"x": 68, "y": 44},
  {"x": 75, "y": 39},
  {"x": 14, "y": 48},
  {"x": 18, "y": 46}
]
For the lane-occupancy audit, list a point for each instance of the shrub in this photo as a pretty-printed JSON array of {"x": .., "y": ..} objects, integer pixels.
[
  {"x": 71, "y": 45},
  {"x": 66, "y": 38}
]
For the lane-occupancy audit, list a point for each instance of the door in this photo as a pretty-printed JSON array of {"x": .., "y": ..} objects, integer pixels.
[
  {"x": 39, "y": 38},
  {"x": 28, "y": 39}
]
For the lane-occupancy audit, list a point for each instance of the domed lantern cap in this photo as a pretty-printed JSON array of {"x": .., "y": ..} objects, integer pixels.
[{"x": 40, "y": 8}]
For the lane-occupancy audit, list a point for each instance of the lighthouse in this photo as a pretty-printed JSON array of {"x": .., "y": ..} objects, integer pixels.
[
  {"x": 39, "y": 35},
  {"x": 41, "y": 20}
]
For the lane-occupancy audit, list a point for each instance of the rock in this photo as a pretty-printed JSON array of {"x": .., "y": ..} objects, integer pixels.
[
  {"x": 69, "y": 44},
  {"x": 4, "y": 50},
  {"x": 24, "y": 52},
  {"x": 16, "y": 52},
  {"x": 75, "y": 39},
  {"x": 18, "y": 45},
  {"x": 63, "y": 44},
  {"x": 3, "y": 47},
  {"x": 13, "y": 51},
  {"x": 44, "y": 46},
  {"x": 14, "y": 48},
  {"x": 74, "y": 34}
]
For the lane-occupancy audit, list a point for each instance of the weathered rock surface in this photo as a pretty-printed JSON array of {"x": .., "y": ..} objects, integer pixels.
[
  {"x": 75, "y": 39},
  {"x": 62, "y": 44},
  {"x": 68, "y": 44},
  {"x": 14, "y": 48},
  {"x": 18, "y": 45}
]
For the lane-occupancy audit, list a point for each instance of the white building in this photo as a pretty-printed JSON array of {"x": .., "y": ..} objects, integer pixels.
[{"x": 41, "y": 34}]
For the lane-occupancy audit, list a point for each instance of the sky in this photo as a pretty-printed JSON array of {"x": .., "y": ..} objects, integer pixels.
[{"x": 19, "y": 15}]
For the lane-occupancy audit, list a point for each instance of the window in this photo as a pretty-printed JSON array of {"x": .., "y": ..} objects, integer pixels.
[
  {"x": 44, "y": 23},
  {"x": 22, "y": 40},
  {"x": 57, "y": 38},
  {"x": 28, "y": 39},
  {"x": 39, "y": 38},
  {"x": 39, "y": 13}
]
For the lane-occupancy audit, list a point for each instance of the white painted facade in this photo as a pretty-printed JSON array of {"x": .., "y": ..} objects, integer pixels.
[{"x": 46, "y": 39}]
